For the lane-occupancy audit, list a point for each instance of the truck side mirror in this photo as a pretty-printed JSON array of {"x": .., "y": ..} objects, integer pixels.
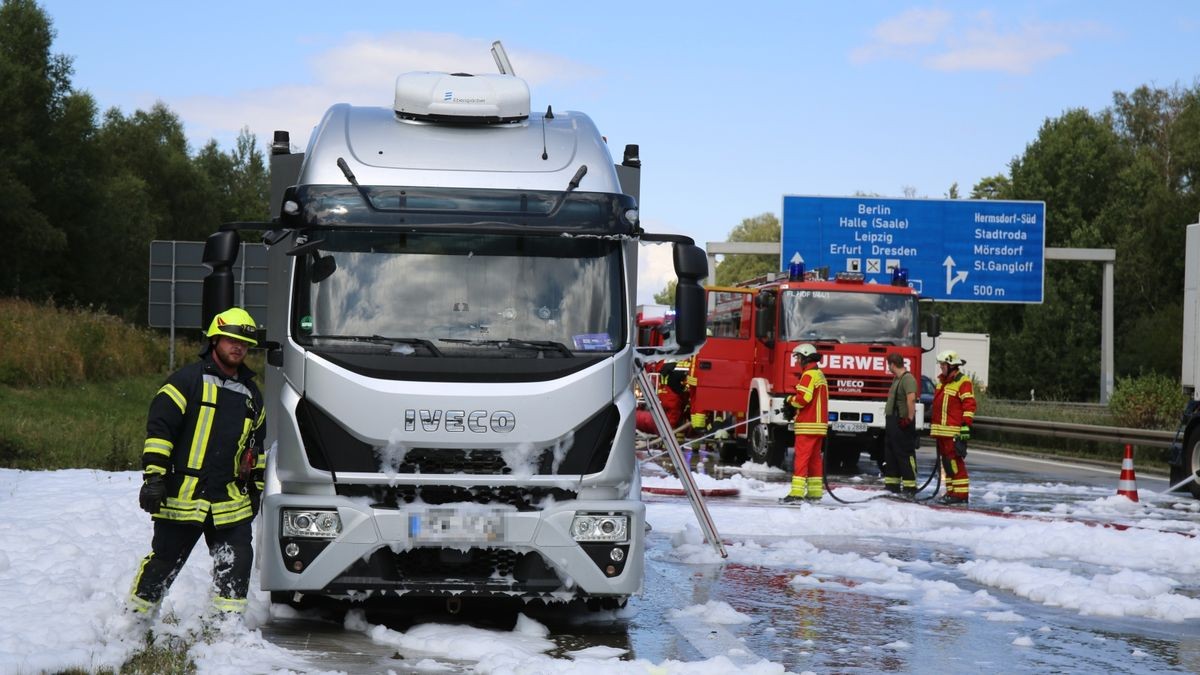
[
  {"x": 220, "y": 252},
  {"x": 935, "y": 326},
  {"x": 691, "y": 267},
  {"x": 764, "y": 318}
]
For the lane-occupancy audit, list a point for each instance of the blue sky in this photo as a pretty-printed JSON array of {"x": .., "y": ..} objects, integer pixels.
[{"x": 734, "y": 105}]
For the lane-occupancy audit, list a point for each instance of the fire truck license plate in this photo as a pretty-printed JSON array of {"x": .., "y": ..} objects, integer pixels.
[
  {"x": 441, "y": 525},
  {"x": 850, "y": 427}
]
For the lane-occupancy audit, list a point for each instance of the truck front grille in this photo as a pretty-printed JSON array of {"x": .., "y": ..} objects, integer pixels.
[
  {"x": 520, "y": 498},
  {"x": 436, "y": 571}
]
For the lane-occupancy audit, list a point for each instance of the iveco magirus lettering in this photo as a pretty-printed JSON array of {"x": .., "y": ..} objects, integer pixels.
[
  {"x": 477, "y": 421},
  {"x": 450, "y": 354}
]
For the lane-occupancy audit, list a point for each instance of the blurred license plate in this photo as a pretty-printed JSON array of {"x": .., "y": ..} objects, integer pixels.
[
  {"x": 850, "y": 427},
  {"x": 437, "y": 525}
]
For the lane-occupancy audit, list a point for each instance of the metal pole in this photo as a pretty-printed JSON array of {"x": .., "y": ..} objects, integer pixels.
[
  {"x": 1106, "y": 335},
  {"x": 171, "y": 349},
  {"x": 681, "y": 466},
  {"x": 242, "y": 280}
]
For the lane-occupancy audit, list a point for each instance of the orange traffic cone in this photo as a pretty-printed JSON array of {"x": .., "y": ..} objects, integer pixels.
[{"x": 1127, "y": 485}]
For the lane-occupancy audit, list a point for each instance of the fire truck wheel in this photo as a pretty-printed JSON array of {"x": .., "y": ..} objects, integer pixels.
[
  {"x": 732, "y": 453},
  {"x": 841, "y": 455},
  {"x": 1191, "y": 460},
  {"x": 768, "y": 444}
]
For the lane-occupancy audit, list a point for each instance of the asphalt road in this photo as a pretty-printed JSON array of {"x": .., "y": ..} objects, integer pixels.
[{"x": 827, "y": 631}]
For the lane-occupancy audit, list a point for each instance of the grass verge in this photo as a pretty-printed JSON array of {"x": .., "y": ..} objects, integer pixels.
[{"x": 94, "y": 425}]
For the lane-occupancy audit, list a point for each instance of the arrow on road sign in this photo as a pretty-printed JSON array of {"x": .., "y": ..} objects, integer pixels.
[{"x": 958, "y": 276}]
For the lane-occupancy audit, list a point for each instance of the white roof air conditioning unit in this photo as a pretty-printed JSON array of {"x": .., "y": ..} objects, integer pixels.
[{"x": 462, "y": 98}]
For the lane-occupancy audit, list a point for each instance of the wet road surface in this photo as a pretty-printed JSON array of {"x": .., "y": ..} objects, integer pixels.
[{"x": 816, "y": 629}]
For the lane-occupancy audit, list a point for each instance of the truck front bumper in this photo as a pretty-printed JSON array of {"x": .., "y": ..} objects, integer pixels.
[{"x": 528, "y": 554}]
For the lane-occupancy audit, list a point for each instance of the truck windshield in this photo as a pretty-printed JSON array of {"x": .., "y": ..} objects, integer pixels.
[
  {"x": 443, "y": 294},
  {"x": 854, "y": 317}
]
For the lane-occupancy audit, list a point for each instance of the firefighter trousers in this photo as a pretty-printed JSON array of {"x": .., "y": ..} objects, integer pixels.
[
  {"x": 808, "y": 468},
  {"x": 957, "y": 482},
  {"x": 232, "y": 556},
  {"x": 899, "y": 456}
]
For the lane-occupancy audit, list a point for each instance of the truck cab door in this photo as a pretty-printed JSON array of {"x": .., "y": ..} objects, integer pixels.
[{"x": 722, "y": 368}]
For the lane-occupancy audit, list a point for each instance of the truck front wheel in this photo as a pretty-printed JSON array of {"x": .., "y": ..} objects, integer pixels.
[
  {"x": 1191, "y": 460},
  {"x": 766, "y": 443}
]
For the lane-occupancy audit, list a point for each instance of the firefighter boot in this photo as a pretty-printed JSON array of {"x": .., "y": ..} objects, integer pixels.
[
  {"x": 797, "y": 493},
  {"x": 953, "y": 500},
  {"x": 815, "y": 489}
]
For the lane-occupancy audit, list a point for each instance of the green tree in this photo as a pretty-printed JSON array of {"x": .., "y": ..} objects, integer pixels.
[
  {"x": 151, "y": 145},
  {"x": 737, "y": 268},
  {"x": 992, "y": 187},
  {"x": 1073, "y": 164},
  {"x": 239, "y": 178},
  {"x": 35, "y": 90},
  {"x": 667, "y": 295},
  {"x": 1143, "y": 220}
]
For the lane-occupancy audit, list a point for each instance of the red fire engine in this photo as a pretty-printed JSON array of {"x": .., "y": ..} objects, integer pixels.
[{"x": 746, "y": 369}]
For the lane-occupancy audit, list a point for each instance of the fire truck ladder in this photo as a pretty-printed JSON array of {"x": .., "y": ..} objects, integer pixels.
[{"x": 681, "y": 466}]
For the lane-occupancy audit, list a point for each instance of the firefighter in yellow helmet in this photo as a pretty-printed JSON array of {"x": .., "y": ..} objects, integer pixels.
[
  {"x": 811, "y": 401},
  {"x": 950, "y": 425},
  {"x": 202, "y": 468}
]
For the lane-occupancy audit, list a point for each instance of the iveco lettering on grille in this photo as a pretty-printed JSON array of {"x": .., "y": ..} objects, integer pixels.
[{"x": 478, "y": 421}]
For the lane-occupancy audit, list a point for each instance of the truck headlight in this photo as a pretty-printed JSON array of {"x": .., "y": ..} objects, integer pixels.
[
  {"x": 600, "y": 527},
  {"x": 311, "y": 523}
]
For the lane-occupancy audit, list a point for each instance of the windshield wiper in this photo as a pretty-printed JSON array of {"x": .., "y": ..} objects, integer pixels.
[
  {"x": 540, "y": 345},
  {"x": 384, "y": 340}
]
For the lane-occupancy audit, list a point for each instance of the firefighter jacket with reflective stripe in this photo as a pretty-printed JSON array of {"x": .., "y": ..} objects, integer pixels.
[
  {"x": 199, "y": 426},
  {"x": 953, "y": 406},
  {"x": 812, "y": 403}
]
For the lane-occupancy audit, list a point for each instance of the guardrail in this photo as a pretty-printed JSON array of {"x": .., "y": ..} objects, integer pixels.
[
  {"x": 1048, "y": 404},
  {"x": 1147, "y": 438}
]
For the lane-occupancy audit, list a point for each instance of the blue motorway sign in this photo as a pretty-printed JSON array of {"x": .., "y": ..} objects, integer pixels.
[{"x": 958, "y": 250}]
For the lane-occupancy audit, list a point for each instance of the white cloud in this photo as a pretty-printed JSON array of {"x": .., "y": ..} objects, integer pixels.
[
  {"x": 892, "y": 37},
  {"x": 656, "y": 269},
  {"x": 1015, "y": 53},
  {"x": 914, "y": 27},
  {"x": 656, "y": 265},
  {"x": 360, "y": 70},
  {"x": 942, "y": 41}
]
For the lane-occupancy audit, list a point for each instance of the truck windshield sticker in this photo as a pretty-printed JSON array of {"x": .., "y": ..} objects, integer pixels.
[{"x": 594, "y": 342}]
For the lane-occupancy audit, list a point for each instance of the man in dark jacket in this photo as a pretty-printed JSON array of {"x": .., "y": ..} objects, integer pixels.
[{"x": 202, "y": 468}]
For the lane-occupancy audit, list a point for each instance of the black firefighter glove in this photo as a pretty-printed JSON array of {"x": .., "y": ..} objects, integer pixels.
[
  {"x": 789, "y": 411},
  {"x": 960, "y": 441},
  {"x": 153, "y": 493}
]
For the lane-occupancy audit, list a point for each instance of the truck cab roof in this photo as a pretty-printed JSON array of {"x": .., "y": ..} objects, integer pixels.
[{"x": 382, "y": 148}]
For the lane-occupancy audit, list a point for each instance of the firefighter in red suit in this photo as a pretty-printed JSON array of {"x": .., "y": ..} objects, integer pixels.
[
  {"x": 672, "y": 393},
  {"x": 811, "y": 401},
  {"x": 950, "y": 425}
]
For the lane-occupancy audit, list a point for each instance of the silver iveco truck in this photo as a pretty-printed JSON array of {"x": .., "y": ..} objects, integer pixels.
[{"x": 450, "y": 351}]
